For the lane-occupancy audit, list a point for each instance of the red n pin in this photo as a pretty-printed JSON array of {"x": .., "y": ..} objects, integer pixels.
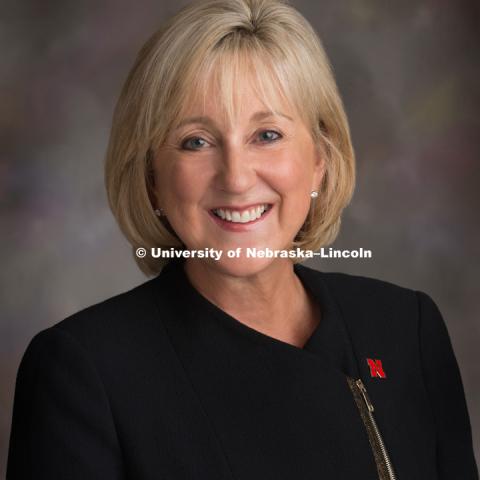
[{"x": 376, "y": 369}]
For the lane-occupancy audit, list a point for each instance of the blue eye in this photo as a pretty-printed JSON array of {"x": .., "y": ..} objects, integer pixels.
[
  {"x": 270, "y": 139},
  {"x": 195, "y": 143},
  {"x": 195, "y": 139}
]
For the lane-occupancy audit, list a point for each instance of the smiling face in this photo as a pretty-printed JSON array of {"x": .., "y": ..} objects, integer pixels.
[{"x": 213, "y": 180}]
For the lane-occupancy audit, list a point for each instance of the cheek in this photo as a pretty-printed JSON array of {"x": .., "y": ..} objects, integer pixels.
[
  {"x": 290, "y": 175},
  {"x": 185, "y": 184},
  {"x": 292, "y": 178}
]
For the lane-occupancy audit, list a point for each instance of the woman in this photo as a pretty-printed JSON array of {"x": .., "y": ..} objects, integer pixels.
[{"x": 230, "y": 135}]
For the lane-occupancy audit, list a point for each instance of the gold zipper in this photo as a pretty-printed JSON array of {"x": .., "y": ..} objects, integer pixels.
[{"x": 382, "y": 460}]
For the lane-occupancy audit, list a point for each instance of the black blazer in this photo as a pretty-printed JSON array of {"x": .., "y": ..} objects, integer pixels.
[{"x": 159, "y": 383}]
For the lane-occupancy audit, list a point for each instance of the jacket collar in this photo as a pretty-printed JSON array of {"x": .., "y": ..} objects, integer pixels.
[{"x": 331, "y": 339}]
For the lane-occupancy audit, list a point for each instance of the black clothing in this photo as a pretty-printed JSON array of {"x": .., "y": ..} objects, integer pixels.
[{"x": 159, "y": 383}]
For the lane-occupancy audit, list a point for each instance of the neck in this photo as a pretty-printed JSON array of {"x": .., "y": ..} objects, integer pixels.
[{"x": 272, "y": 301}]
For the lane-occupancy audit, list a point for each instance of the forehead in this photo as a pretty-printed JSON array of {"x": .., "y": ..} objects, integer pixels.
[{"x": 234, "y": 93}]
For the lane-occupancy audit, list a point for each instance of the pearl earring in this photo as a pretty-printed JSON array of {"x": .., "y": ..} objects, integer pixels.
[
  {"x": 314, "y": 194},
  {"x": 159, "y": 212}
]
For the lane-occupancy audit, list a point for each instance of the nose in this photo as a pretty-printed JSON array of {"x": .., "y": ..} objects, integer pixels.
[{"x": 236, "y": 170}]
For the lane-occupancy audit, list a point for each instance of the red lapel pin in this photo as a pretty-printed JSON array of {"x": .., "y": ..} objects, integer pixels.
[{"x": 376, "y": 369}]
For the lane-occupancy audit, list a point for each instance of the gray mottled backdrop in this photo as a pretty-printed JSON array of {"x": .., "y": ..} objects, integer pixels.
[{"x": 409, "y": 73}]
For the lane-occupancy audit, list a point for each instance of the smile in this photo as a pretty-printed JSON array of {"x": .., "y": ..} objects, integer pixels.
[{"x": 246, "y": 215}]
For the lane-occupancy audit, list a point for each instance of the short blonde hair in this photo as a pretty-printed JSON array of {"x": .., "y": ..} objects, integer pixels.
[{"x": 217, "y": 41}]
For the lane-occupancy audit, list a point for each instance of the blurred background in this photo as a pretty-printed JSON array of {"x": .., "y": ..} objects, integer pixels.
[{"x": 409, "y": 74}]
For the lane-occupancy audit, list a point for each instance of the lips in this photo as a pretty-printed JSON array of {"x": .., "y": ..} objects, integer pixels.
[{"x": 241, "y": 214}]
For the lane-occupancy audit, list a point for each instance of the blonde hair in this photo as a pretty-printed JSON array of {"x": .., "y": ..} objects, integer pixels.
[{"x": 218, "y": 41}]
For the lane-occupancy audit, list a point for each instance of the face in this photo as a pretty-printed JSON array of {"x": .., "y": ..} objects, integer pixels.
[{"x": 214, "y": 181}]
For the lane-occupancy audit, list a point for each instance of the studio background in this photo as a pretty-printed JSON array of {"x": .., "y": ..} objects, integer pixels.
[{"x": 409, "y": 74}]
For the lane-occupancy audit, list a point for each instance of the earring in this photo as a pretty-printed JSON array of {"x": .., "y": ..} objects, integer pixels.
[
  {"x": 314, "y": 194},
  {"x": 159, "y": 212}
]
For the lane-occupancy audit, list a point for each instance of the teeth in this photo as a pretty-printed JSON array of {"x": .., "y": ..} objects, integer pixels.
[{"x": 241, "y": 217}]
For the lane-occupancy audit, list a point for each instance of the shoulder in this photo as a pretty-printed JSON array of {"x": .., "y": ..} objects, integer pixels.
[
  {"x": 381, "y": 294},
  {"x": 110, "y": 332},
  {"x": 373, "y": 304},
  {"x": 367, "y": 290},
  {"x": 116, "y": 313},
  {"x": 363, "y": 289}
]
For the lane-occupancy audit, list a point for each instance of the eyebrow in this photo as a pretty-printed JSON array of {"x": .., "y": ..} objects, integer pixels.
[{"x": 255, "y": 117}]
